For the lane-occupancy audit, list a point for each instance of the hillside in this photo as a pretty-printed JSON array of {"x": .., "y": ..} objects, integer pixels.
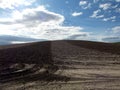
[{"x": 60, "y": 65}]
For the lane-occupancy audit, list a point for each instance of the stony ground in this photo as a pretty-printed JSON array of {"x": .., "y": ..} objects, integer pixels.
[{"x": 75, "y": 66}]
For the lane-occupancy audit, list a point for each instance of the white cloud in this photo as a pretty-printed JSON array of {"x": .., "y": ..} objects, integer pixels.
[
  {"x": 96, "y": 14},
  {"x": 113, "y": 17},
  {"x": 84, "y": 4},
  {"x": 110, "y": 18},
  {"x": 62, "y": 32},
  {"x": 37, "y": 23},
  {"x": 95, "y": 1},
  {"x": 11, "y": 4},
  {"x": 76, "y": 14},
  {"x": 118, "y": 10},
  {"x": 100, "y": 16},
  {"x": 105, "y": 19},
  {"x": 66, "y": 2},
  {"x": 115, "y": 6},
  {"x": 116, "y": 29},
  {"x": 117, "y": 0},
  {"x": 113, "y": 35},
  {"x": 35, "y": 16},
  {"x": 30, "y": 17},
  {"x": 105, "y": 6},
  {"x": 87, "y": 6}
]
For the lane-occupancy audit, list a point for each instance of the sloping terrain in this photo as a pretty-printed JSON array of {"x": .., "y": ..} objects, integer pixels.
[{"x": 60, "y": 65}]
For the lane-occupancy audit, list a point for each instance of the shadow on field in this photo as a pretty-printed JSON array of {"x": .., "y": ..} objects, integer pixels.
[
  {"x": 32, "y": 53},
  {"x": 38, "y": 54}
]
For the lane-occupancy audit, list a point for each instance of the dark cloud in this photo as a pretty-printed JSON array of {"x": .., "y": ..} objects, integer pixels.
[
  {"x": 6, "y": 22},
  {"x": 78, "y": 36},
  {"x": 41, "y": 16},
  {"x": 111, "y": 39}
]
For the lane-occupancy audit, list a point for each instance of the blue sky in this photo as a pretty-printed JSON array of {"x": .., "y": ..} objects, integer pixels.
[{"x": 97, "y": 20}]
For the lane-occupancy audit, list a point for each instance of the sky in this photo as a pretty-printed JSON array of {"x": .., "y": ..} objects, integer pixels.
[{"x": 31, "y": 20}]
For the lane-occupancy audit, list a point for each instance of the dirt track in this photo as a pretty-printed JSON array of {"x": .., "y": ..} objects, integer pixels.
[{"x": 73, "y": 65}]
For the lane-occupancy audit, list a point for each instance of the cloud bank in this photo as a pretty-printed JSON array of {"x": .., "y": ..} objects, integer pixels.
[
  {"x": 38, "y": 23},
  {"x": 105, "y": 6},
  {"x": 11, "y": 4},
  {"x": 96, "y": 14},
  {"x": 116, "y": 29},
  {"x": 7, "y": 39}
]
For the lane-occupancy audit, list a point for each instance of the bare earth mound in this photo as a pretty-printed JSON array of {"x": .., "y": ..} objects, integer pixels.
[{"x": 60, "y": 65}]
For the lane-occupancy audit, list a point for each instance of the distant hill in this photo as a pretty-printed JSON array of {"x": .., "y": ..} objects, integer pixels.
[
  {"x": 7, "y": 39},
  {"x": 35, "y": 52}
]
